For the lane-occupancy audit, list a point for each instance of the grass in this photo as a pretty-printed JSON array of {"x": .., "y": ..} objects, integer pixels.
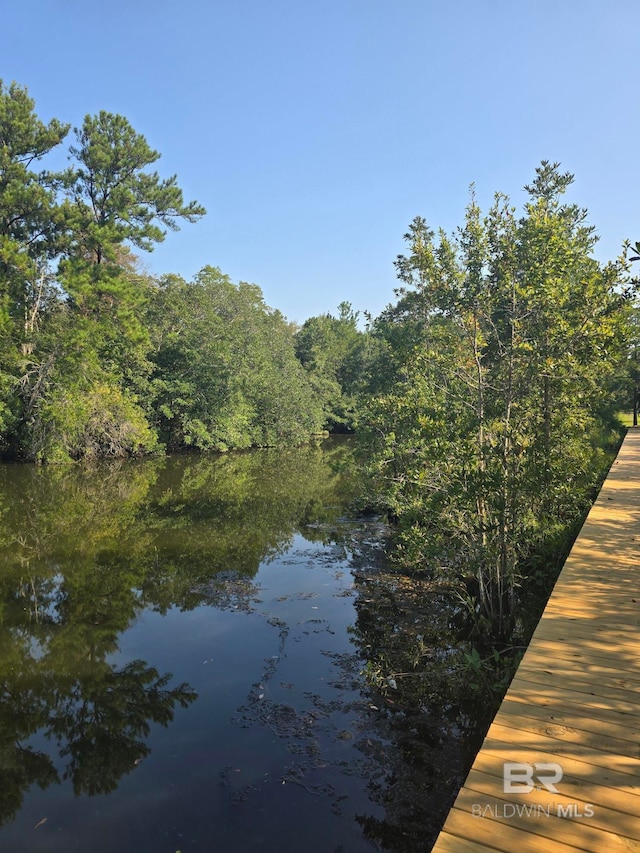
[{"x": 625, "y": 418}]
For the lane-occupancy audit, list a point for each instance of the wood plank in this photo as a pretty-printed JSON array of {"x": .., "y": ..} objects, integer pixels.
[
  {"x": 588, "y": 634},
  {"x": 573, "y": 652},
  {"x": 570, "y": 672},
  {"x": 608, "y": 724},
  {"x": 534, "y": 700},
  {"x": 604, "y": 817},
  {"x": 612, "y": 792},
  {"x": 455, "y": 844},
  {"x": 617, "y": 608},
  {"x": 533, "y": 830},
  {"x": 612, "y": 695},
  {"x": 606, "y": 741},
  {"x": 491, "y": 835},
  {"x": 529, "y": 746}
]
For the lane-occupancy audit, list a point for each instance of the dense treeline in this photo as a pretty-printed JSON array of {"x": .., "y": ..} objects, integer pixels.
[
  {"x": 339, "y": 360},
  {"x": 496, "y": 393},
  {"x": 98, "y": 358}
]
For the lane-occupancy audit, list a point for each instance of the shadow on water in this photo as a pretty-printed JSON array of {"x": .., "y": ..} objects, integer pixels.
[{"x": 315, "y": 704}]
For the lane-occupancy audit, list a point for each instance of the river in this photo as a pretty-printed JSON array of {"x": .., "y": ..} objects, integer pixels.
[{"x": 186, "y": 663}]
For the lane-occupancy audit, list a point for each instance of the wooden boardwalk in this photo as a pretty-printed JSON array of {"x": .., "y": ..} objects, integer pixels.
[{"x": 574, "y": 703}]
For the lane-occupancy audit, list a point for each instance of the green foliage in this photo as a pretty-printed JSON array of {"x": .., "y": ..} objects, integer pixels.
[
  {"x": 490, "y": 676},
  {"x": 28, "y": 224},
  {"x": 626, "y": 387},
  {"x": 73, "y": 347},
  {"x": 336, "y": 356},
  {"x": 487, "y": 371},
  {"x": 112, "y": 198},
  {"x": 97, "y": 358},
  {"x": 112, "y": 202},
  {"x": 225, "y": 374},
  {"x": 30, "y": 233},
  {"x": 100, "y": 420},
  {"x": 483, "y": 438}
]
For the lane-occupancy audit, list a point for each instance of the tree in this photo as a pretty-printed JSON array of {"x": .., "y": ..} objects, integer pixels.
[
  {"x": 484, "y": 441},
  {"x": 113, "y": 202},
  {"x": 113, "y": 198},
  {"x": 89, "y": 404},
  {"x": 335, "y": 354},
  {"x": 29, "y": 226},
  {"x": 630, "y": 380},
  {"x": 30, "y": 234},
  {"x": 226, "y": 375}
]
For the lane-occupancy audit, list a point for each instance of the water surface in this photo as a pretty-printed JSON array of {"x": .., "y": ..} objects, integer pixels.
[
  {"x": 176, "y": 665},
  {"x": 209, "y": 654}
]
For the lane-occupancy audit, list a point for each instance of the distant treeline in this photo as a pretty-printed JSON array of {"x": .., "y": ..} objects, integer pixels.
[{"x": 99, "y": 359}]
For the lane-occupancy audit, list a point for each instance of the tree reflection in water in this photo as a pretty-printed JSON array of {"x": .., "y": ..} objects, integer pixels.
[
  {"x": 98, "y": 720},
  {"x": 102, "y": 720},
  {"x": 82, "y": 552}
]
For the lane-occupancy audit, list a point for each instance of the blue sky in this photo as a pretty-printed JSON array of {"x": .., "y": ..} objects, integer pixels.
[{"x": 313, "y": 131}]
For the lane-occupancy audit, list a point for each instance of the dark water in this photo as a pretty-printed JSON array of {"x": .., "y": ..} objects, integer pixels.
[{"x": 184, "y": 666}]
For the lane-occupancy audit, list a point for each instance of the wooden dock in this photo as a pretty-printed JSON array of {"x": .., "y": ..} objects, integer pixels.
[{"x": 574, "y": 704}]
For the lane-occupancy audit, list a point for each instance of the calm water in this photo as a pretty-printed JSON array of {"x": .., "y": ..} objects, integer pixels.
[{"x": 182, "y": 644}]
